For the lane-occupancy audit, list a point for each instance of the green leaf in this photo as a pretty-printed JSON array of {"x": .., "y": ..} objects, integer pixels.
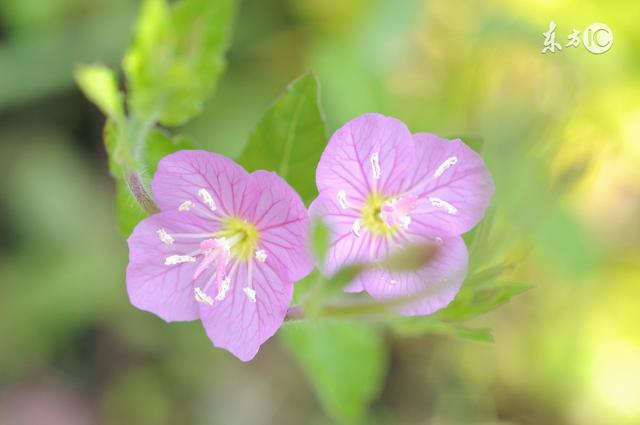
[
  {"x": 481, "y": 299},
  {"x": 425, "y": 325},
  {"x": 128, "y": 211},
  {"x": 100, "y": 85},
  {"x": 410, "y": 258},
  {"x": 320, "y": 240},
  {"x": 177, "y": 57},
  {"x": 474, "y": 142},
  {"x": 345, "y": 363},
  {"x": 158, "y": 145},
  {"x": 290, "y": 137}
]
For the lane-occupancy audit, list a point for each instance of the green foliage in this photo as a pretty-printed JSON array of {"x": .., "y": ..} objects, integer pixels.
[
  {"x": 100, "y": 85},
  {"x": 421, "y": 325},
  {"x": 320, "y": 240},
  {"x": 176, "y": 58},
  {"x": 345, "y": 363},
  {"x": 478, "y": 299},
  {"x": 475, "y": 143},
  {"x": 172, "y": 66},
  {"x": 410, "y": 258},
  {"x": 290, "y": 137},
  {"x": 157, "y": 144}
]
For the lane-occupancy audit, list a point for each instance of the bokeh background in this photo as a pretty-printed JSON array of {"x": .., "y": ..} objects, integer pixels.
[{"x": 561, "y": 136}]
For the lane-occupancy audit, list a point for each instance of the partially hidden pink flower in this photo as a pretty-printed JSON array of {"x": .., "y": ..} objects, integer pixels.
[
  {"x": 382, "y": 188},
  {"x": 226, "y": 248}
]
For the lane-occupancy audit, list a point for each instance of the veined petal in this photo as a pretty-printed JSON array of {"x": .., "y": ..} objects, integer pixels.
[
  {"x": 370, "y": 153},
  {"x": 153, "y": 285},
  {"x": 452, "y": 184},
  {"x": 244, "y": 320},
  {"x": 435, "y": 285},
  {"x": 350, "y": 243},
  {"x": 282, "y": 222},
  {"x": 215, "y": 183}
]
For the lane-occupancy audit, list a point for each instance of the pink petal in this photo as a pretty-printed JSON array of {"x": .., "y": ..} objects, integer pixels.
[
  {"x": 282, "y": 220},
  {"x": 452, "y": 184},
  {"x": 165, "y": 290},
  {"x": 346, "y": 247},
  {"x": 181, "y": 175},
  {"x": 369, "y": 153},
  {"x": 240, "y": 325},
  {"x": 438, "y": 282}
]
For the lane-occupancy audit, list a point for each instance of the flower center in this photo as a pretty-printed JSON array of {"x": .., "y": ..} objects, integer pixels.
[
  {"x": 244, "y": 234},
  {"x": 371, "y": 218},
  {"x": 384, "y": 215}
]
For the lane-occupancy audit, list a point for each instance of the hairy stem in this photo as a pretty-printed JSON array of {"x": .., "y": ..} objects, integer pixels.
[{"x": 139, "y": 192}]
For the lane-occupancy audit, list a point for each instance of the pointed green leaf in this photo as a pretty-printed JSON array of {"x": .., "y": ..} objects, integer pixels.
[
  {"x": 100, "y": 85},
  {"x": 345, "y": 363},
  {"x": 290, "y": 137},
  {"x": 481, "y": 299},
  {"x": 430, "y": 325},
  {"x": 177, "y": 57}
]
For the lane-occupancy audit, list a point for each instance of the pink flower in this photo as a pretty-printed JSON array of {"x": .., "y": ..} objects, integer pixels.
[
  {"x": 226, "y": 248},
  {"x": 382, "y": 188}
]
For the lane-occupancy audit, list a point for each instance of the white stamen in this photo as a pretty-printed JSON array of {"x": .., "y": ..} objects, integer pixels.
[
  {"x": 250, "y": 293},
  {"x": 224, "y": 287},
  {"x": 356, "y": 228},
  {"x": 443, "y": 205},
  {"x": 375, "y": 165},
  {"x": 393, "y": 281},
  {"x": 261, "y": 255},
  {"x": 202, "y": 297},
  {"x": 453, "y": 160},
  {"x": 404, "y": 221},
  {"x": 179, "y": 259},
  {"x": 185, "y": 206},
  {"x": 164, "y": 236},
  {"x": 226, "y": 243},
  {"x": 207, "y": 199},
  {"x": 342, "y": 200},
  {"x": 438, "y": 240}
]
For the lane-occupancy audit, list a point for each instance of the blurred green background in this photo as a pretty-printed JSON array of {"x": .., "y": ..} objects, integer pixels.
[{"x": 561, "y": 136}]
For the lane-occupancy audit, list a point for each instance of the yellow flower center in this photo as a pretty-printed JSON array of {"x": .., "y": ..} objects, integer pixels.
[
  {"x": 371, "y": 219},
  {"x": 244, "y": 234}
]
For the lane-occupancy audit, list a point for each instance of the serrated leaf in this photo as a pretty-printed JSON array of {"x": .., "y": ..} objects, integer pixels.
[
  {"x": 100, "y": 85},
  {"x": 345, "y": 363},
  {"x": 290, "y": 137},
  {"x": 177, "y": 57}
]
